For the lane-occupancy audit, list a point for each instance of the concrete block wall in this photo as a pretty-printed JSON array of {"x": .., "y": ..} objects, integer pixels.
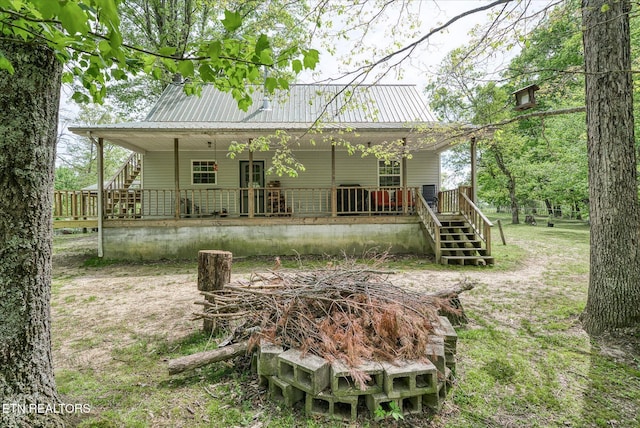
[{"x": 329, "y": 389}]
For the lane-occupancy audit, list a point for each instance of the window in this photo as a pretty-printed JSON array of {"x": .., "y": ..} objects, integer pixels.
[
  {"x": 204, "y": 172},
  {"x": 389, "y": 174}
]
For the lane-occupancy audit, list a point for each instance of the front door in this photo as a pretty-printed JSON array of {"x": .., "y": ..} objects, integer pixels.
[{"x": 255, "y": 180}]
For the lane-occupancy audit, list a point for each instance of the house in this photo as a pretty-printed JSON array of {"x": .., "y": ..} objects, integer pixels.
[{"x": 192, "y": 194}]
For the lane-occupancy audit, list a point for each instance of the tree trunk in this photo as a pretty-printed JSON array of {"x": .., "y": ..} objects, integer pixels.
[
  {"x": 613, "y": 300},
  {"x": 29, "y": 101},
  {"x": 511, "y": 185},
  {"x": 547, "y": 203}
]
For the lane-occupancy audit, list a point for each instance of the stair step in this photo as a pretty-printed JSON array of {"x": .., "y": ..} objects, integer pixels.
[
  {"x": 473, "y": 242},
  {"x": 467, "y": 260},
  {"x": 469, "y": 251},
  {"x": 446, "y": 224},
  {"x": 456, "y": 232}
]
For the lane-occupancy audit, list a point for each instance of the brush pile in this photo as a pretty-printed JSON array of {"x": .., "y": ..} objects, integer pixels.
[{"x": 349, "y": 313}]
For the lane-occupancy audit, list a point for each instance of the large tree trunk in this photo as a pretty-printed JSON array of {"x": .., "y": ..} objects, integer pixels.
[
  {"x": 511, "y": 185},
  {"x": 29, "y": 101},
  {"x": 614, "y": 286}
]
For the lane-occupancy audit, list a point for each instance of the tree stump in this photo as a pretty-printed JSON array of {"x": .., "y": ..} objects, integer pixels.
[{"x": 214, "y": 271}]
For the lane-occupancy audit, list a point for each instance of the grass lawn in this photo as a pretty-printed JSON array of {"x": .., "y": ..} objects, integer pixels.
[{"x": 522, "y": 360}]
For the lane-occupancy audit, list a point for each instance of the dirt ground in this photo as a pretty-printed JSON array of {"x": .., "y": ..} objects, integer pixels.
[{"x": 118, "y": 304}]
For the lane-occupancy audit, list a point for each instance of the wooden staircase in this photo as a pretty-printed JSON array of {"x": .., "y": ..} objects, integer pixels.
[
  {"x": 459, "y": 233},
  {"x": 459, "y": 243},
  {"x": 121, "y": 200}
]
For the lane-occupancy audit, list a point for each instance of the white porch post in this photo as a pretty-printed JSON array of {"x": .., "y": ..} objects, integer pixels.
[
  {"x": 334, "y": 190},
  {"x": 405, "y": 196},
  {"x": 250, "y": 192},
  {"x": 100, "y": 145},
  {"x": 176, "y": 173}
]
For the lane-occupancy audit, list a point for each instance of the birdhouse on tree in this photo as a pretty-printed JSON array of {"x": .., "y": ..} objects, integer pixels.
[{"x": 525, "y": 97}]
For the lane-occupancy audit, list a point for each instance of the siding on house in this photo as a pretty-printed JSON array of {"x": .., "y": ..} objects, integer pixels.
[
  {"x": 423, "y": 168},
  {"x": 159, "y": 183}
]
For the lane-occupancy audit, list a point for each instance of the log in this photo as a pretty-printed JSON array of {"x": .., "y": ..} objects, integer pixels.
[
  {"x": 214, "y": 272},
  {"x": 190, "y": 362},
  {"x": 214, "y": 269},
  {"x": 458, "y": 316}
]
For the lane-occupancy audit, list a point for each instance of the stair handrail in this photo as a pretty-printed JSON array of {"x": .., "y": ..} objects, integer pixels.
[
  {"x": 132, "y": 163},
  {"x": 431, "y": 223},
  {"x": 478, "y": 221}
]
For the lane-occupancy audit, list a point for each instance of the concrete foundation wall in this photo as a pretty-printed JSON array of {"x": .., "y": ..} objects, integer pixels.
[{"x": 180, "y": 241}]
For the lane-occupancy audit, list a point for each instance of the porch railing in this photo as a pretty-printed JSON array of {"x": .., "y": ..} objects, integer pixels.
[
  {"x": 133, "y": 203},
  {"x": 75, "y": 204},
  {"x": 480, "y": 224},
  {"x": 431, "y": 224},
  {"x": 449, "y": 200}
]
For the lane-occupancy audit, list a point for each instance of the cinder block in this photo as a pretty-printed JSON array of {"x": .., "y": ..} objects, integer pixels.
[
  {"x": 345, "y": 408},
  {"x": 435, "y": 352},
  {"x": 310, "y": 373},
  {"x": 342, "y": 382},
  {"x": 268, "y": 359},
  {"x": 409, "y": 378},
  {"x": 282, "y": 391},
  {"x": 450, "y": 361},
  {"x": 411, "y": 405},
  {"x": 327, "y": 405},
  {"x": 374, "y": 401},
  {"x": 447, "y": 331},
  {"x": 435, "y": 400},
  {"x": 318, "y": 404},
  {"x": 263, "y": 381}
]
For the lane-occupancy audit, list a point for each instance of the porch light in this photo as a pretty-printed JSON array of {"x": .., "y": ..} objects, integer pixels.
[{"x": 525, "y": 97}]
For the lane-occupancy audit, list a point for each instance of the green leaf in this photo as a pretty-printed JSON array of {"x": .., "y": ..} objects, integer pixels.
[
  {"x": 80, "y": 98},
  {"x": 185, "y": 67},
  {"x": 214, "y": 49},
  {"x": 232, "y": 20},
  {"x": 73, "y": 18},
  {"x": 115, "y": 38},
  {"x": 262, "y": 44},
  {"x": 265, "y": 57},
  {"x": 296, "y": 65},
  {"x": 605, "y": 8},
  {"x": 270, "y": 84},
  {"x": 311, "y": 58},
  {"x": 108, "y": 13},
  {"x": 206, "y": 73},
  {"x": 47, "y": 8},
  {"x": 244, "y": 103},
  {"x": 166, "y": 51},
  {"x": 104, "y": 47},
  {"x": 67, "y": 77},
  {"x": 284, "y": 83},
  {"x": 156, "y": 73},
  {"x": 5, "y": 64}
]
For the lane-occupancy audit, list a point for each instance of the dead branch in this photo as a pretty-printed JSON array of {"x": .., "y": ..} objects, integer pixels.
[{"x": 190, "y": 362}]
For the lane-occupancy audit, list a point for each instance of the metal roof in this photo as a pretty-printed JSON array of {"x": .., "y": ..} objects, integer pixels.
[
  {"x": 377, "y": 113},
  {"x": 301, "y": 104}
]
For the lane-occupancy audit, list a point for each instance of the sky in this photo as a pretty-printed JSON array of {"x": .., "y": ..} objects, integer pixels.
[{"x": 425, "y": 59}]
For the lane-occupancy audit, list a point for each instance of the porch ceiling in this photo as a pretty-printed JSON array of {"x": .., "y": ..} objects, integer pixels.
[{"x": 153, "y": 137}]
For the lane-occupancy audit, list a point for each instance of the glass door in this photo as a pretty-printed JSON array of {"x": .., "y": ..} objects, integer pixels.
[{"x": 253, "y": 179}]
